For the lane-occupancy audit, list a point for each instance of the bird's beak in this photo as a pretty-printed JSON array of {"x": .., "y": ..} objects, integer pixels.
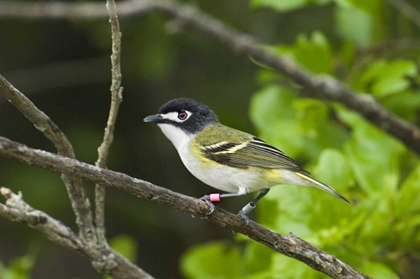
[{"x": 157, "y": 118}]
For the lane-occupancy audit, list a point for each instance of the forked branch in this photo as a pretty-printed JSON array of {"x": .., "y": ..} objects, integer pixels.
[
  {"x": 190, "y": 18},
  {"x": 116, "y": 99},
  {"x": 106, "y": 261},
  {"x": 289, "y": 245}
]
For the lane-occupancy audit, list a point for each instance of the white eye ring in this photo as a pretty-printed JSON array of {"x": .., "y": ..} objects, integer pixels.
[{"x": 183, "y": 115}]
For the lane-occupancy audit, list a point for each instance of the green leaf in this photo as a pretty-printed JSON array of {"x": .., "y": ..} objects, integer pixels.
[
  {"x": 333, "y": 169},
  {"x": 281, "y": 6},
  {"x": 316, "y": 128},
  {"x": 329, "y": 222},
  {"x": 374, "y": 233},
  {"x": 373, "y": 156},
  {"x": 360, "y": 21},
  {"x": 299, "y": 127},
  {"x": 265, "y": 274},
  {"x": 347, "y": 53},
  {"x": 291, "y": 269},
  {"x": 267, "y": 76},
  {"x": 20, "y": 267},
  {"x": 269, "y": 105},
  {"x": 287, "y": 5},
  {"x": 257, "y": 258},
  {"x": 385, "y": 78},
  {"x": 408, "y": 199},
  {"x": 267, "y": 208},
  {"x": 125, "y": 245},
  {"x": 215, "y": 260},
  {"x": 405, "y": 104},
  {"x": 367, "y": 6},
  {"x": 292, "y": 212},
  {"x": 407, "y": 229},
  {"x": 378, "y": 270},
  {"x": 314, "y": 53}
]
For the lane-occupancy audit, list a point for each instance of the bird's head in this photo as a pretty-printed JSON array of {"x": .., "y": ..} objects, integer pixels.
[{"x": 181, "y": 119}]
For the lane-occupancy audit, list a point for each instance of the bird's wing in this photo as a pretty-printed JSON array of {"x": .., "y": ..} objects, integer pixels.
[{"x": 251, "y": 152}]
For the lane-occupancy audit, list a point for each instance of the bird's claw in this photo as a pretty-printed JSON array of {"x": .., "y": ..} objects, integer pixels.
[
  {"x": 206, "y": 198},
  {"x": 245, "y": 217}
]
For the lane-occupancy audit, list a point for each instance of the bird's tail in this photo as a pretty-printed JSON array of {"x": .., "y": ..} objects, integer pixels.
[{"x": 309, "y": 181}]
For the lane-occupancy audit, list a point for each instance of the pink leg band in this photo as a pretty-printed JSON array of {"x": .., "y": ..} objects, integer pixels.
[{"x": 215, "y": 197}]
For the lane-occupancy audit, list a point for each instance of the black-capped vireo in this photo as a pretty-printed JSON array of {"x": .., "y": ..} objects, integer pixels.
[{"x": 225, "y": 158}]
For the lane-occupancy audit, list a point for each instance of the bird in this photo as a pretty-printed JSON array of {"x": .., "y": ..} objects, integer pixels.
[{"x": 225, "y": 158}]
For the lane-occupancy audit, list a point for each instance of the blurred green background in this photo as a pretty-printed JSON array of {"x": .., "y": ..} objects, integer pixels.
[{"x": 63, "y": 66}]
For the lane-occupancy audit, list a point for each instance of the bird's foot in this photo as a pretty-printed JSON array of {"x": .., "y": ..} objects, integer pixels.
[
  {"x": 209, "y": 199},
  {"x": 245, "y": 210},
  {"x": 245, "y": 217}
]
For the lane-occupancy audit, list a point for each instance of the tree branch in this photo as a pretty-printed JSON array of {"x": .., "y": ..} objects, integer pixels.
[
  {"x": 188, "y": 17},
  {"x": 70, "y": 10},
  {"x": 44, "y": 124},
  {"x": 289, "y": 245},
  {"x": 107, "y": 261},
  {"x": 17, "y": 210},
  {"x": 116, "y": 99},
  {"x": 406, "y": 9}
]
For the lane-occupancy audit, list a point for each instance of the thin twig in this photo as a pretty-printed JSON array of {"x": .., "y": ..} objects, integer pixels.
[
  {"x": 44, "y": 124},
  {"x": 407, "y": 9},
  {"x": 116, "y": 99},
  {"x": 289, "y": 245},
  {"x": 188, "y": 17},
  {"x": 401, "y": 44},
  {"x": 17, "y": 210}
]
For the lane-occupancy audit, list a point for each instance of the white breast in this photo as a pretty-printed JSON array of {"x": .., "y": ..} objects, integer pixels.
[
  {"x": 177, "y": 136},
  {"x": 221, "y": 177}
]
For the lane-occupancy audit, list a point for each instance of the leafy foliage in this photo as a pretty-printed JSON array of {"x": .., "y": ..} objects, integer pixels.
[
  {"x": 361, "y": 22},
  {"x": 287, "y": 5},
  {"x": 366, "y": 44},
  {"x": 126, "y": 246},
  {"x": 216, "y": 260},
  {"x": 382, "y": 225},
  {"x": 20, "y": 267}
]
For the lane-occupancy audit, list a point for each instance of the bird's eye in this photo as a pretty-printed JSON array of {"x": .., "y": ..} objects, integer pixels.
[{"x": 182, "y": 115}]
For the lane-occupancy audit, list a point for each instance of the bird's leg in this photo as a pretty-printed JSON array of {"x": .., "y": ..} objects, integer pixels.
[
  {"x": 216, "y": 197},
  {"x": 251, "y": 205},
  {"x": 209, "y": 200},
  {"x": 231, "y": 195}
]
